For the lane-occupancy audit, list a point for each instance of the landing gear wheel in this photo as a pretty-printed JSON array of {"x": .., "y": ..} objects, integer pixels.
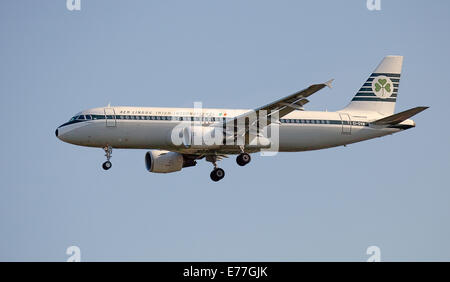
[
  {"x": 217, "y": 174},
  {"x": 107, "y": 165},
  {"x": 108, "y": 151},
  {"x": 243, "y": 159}
]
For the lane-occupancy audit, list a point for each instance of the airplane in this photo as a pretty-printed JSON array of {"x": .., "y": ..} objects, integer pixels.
[{"x": 169, "y": 133}]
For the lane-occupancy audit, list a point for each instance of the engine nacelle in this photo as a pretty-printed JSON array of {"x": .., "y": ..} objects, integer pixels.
[{"x": 165, "y": 161}]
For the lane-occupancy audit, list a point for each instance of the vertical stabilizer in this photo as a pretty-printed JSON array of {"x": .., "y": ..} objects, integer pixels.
[{"x": 379, "y": 92}]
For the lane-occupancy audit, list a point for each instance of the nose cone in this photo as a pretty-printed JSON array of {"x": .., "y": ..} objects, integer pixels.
[{"x": 59, "y": 133}]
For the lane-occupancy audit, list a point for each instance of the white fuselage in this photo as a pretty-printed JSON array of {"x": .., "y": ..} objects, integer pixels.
[{"x": 150, "y": 128}]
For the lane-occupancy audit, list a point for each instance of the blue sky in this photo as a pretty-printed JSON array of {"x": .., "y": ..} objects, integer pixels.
[{"x": 391, "y": 192}]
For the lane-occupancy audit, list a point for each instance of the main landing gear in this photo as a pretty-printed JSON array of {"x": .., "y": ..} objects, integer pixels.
[
  {"x": 108, "y": 151},
  {"x": 243, "y": 159},
  {"x": 217, "y": 173}
]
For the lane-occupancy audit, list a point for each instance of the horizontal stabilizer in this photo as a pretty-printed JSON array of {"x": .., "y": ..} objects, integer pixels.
[{"x": 398, "y": 118}]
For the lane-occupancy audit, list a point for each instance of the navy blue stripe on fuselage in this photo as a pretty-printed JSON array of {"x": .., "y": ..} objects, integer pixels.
[{"x": 216, "y": 119}]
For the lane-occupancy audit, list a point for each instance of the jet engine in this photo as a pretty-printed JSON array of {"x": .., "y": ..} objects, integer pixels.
[{"x": 165, "y": 161}]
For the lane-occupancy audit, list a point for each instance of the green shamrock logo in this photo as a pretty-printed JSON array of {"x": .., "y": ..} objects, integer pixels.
[{"x": 384, "y": 86}]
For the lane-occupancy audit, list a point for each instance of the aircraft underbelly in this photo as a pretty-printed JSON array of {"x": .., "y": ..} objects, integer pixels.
[
  {"x": 314, "y": 137},
  {"x": 157, "y": 135}
]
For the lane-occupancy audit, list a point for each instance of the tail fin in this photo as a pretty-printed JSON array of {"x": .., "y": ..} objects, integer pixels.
[{"x": 379, "y": 93}]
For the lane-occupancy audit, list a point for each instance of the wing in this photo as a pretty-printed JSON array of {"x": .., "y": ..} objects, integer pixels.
[{"x": 282, "y": 106}]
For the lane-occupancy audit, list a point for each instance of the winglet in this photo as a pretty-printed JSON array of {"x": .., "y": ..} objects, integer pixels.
[{"x": 328, "y": 83}]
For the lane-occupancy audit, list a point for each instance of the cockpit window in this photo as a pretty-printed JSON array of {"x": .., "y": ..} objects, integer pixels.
[
  {"x": 73, "y": 118},
  {"x": 81, "y": 117},
  {"x": 88, "y": 117}
]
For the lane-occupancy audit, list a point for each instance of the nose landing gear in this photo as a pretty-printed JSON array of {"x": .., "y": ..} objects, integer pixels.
[
  {"x": 108, "y": 152},
  {"x": 107, "y": 165}
]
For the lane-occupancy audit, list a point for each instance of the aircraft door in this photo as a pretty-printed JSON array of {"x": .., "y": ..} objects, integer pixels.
[
  {"x": 346, "y": 123},
  {"x": 110, "y": 117}
]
